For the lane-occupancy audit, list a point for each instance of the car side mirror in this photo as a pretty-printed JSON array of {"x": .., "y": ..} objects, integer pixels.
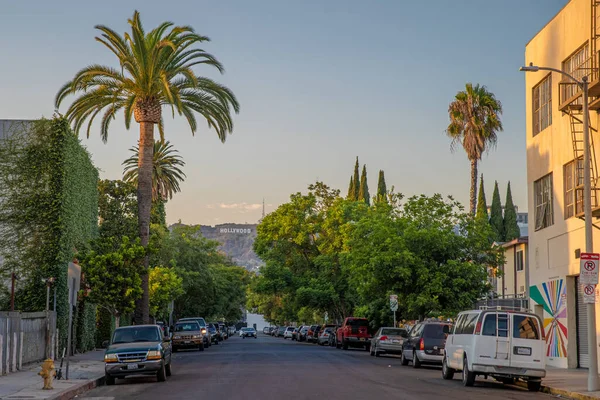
[
  {"x": 446, "y": 329},
  {"x": 105, "y": 344}
]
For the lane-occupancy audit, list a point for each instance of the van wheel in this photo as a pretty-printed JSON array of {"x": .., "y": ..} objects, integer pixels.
[
  {"x": 403, "y": 359},
  {"x": 161, "y": 376},
  {"x": 468, "y": 376},
  {"x": 534, "y": 386},
  {"x": 168, "y": 369},
  {"x": 415, "y": 361},
  {"x": 447, "y": 372},
  {"x": 508, "y": 381}
]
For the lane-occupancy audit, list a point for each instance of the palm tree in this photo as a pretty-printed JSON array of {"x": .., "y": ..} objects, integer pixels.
[
  {"x": 155, "y": 70},
  {"x": 166, "y": 172},
  {"x": 474, "y": 124}
]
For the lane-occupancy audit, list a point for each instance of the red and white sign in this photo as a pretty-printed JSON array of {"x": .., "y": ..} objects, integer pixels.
[
  {"x": 589, "y": 294},
  {"x": 588, "y": 268}
]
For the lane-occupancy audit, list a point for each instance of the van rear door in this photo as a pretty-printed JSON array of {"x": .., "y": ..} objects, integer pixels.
[
  {"x": 493, "y": 344},
  {"x": 527, "y": 347}
]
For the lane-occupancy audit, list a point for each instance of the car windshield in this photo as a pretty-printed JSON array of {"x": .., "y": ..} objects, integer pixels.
[
  {"x": 393, "y": 332},
  {"x": 199, "y": 321},
  {"x": 187, "y": 326},
  {"x": 434, "y": 331},
  {"x": 136, "y": 334},
  {"x": 358, "y": 322}
]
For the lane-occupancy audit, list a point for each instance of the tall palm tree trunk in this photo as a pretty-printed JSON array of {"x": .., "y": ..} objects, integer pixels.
[
  {"x": 473, "y": 199},
  {"x": 144, "y": 195}
]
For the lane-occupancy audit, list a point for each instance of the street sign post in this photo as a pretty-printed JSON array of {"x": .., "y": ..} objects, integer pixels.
[
  {"x": 588, "y": 268},
  {"x": 394, "y": 306}
]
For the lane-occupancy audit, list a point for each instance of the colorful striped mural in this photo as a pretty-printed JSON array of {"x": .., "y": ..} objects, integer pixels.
[{"x": 553, "y": 297}]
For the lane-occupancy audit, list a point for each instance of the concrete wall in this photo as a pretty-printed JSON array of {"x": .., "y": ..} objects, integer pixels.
[
  {"x": 552, "y": 260},
  {"x": 25, "y": 338}
]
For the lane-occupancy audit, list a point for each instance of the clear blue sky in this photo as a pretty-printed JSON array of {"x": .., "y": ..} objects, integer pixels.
[{"x": 319, "y": 82}]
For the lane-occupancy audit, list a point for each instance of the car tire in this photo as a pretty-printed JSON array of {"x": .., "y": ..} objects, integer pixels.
[
  {"x": 415, "y": 361},
  {"x": 168, "y": 369},
  {"x": 161, "y": 375},
  {"x": 468, "y": 376},
  {"x": 109, "y": 380},
  {"x": 201, "y": 347},
  {"x": 534, "y": 386},
  {"x": 447, "y": 372},
  {"x": 508, "y": 381},
  {"x": 403, "y": 360},
  {"x": 368, "y": 347}
]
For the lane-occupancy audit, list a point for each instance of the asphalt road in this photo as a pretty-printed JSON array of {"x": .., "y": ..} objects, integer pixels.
[{"x": 268, "y": 368}]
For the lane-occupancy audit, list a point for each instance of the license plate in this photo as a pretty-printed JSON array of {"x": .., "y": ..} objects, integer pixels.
[
  {"x": 362, "y": 338},
  {"x": 132, "y": 366},
  {"x": 187, "y": 342},
  {"x": 395, "y": 341},
  {"x": 523, "y": 351}
]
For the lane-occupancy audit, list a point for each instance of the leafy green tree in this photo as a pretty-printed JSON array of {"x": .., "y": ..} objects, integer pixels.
[
  {"x": 117, "y": 209},
  {"x": 165, "y": 286},
  {"x": 474, "y": 124},
  {"x": 496, "y": 218},
  {"x": 351, "y": 190},
  {"x": 482, "y": 212},
  {"x": 381, "y": 188},
  {"x": 363, "y": 194},
  {"x": 511, "y": 228},
  {"x": 356, "y": 180},
  {"x": 166, "y": 170},
  {"x": 114, "y": 277},
  {"x": 156, "y": 71}
]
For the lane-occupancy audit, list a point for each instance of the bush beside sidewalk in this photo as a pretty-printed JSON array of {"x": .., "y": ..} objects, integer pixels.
[{"x": 86, "y": 371}]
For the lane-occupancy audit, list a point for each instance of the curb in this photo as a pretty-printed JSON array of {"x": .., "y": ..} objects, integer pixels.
[
  {"x": 78, "y": 389},
  {"x": 560, "y": 392}
]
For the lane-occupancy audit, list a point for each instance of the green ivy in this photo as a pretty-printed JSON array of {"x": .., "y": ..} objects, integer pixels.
[{"x": 48, "y": 212}]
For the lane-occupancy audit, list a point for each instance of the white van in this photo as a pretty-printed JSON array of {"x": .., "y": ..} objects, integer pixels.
[{"x": 505, "y": 345}]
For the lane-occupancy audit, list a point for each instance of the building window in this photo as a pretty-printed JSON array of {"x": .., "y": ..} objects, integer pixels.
[
  {"x": 542, "y": 105},
  {"x": 542, "y": 191},
  {"x": 519, "y": 260},
  {"x": 577, "y": 65},
  {"x": 573, "y": 178}
]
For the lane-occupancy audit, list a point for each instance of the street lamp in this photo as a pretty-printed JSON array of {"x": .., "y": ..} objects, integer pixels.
[{"x": 587, "y": 212}]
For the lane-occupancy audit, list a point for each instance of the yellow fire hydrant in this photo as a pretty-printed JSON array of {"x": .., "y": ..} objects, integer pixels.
[{"x": 48, "y": 372}]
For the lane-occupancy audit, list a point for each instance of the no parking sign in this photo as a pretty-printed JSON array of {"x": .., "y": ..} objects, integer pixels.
[{"x": 588, "y": 268}]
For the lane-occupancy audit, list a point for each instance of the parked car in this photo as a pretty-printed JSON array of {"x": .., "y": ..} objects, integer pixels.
[
  {"x": 248, "y": 332},
  {"x": 274, "y": 330},
  {"x": 137, "y": 350},
  {"x": 224, "y": 331},
  {"x": 219, "y": 334},
  {"x": 187, "y": 335},
  {"x": 287, "y": 334},
  {"x": 503, "y": 345},
  {"x": 203, "y": 328},
  {"x": 302, "y": 333},
  {"x": 295, "y": 332},
  {"x": 425, "y": 343},
  {"x": 214, "y": 334},
  {"x": 281, "y": 331},
  {"x": 388, "y": 341},
  {"x": 266, "y": 330},
  {"x": 324, "y": 336},
  {"x": 354, "y": 332},
  {"x": 314, "y": 338},
  {"x": 231, "y": 330},
  {"x": 311, "y": 332}
]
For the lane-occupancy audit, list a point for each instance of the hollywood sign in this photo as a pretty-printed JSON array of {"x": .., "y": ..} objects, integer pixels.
[{"x": 235, "y": 230}]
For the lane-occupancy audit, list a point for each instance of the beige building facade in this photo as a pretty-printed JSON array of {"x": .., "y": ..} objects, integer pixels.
[
  {"x": 554, "y": 115},
  {"x": 512, "y": 281}
]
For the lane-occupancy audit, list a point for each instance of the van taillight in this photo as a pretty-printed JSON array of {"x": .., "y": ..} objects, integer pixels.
[
  {"x": 478, "y": 328},
  {"x": 422, "y": 344}
]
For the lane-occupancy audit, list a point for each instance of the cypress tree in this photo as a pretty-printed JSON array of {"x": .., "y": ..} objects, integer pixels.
[
  {"x": 381, "y": 188},
  {"x": 351, "y": 190},
  {"x": 496, "y": 219},
  {"x": 511, "y": 228},
  {"x": 363, "y": 194},
  {"x": 482, "y": 211},
  {"x": 356, "y": 180}
]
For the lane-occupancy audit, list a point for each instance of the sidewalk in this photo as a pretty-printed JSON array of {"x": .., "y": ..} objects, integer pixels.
[
  {"x": 567, "y": 383},
  {"x": 86, "y": 371}
]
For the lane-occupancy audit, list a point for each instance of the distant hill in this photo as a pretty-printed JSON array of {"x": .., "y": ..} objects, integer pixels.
[{"x": 236, "y": 241}]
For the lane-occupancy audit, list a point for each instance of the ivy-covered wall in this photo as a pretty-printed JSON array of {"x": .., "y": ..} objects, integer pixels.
[{"x": 48, "y": 211}]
